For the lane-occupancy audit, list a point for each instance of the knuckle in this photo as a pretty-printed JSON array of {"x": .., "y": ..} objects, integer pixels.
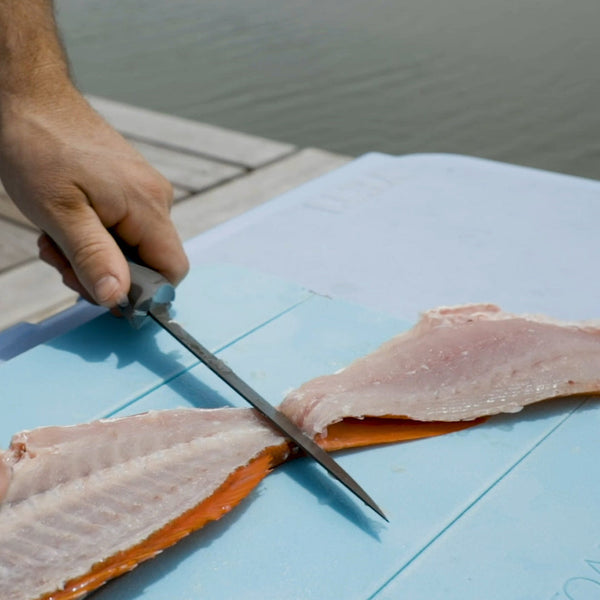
[
  {"x": 57, "y": 210},
  {"x": 63, "y": 204},
  {"x": 158, "y": 190},
  {"x": 89, "y": 252}
]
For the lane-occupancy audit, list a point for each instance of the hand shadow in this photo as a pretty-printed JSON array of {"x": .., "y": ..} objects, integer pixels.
[{"x": 165, "y": 364}]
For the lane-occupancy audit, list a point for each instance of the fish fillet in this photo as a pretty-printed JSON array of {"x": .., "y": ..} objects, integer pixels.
[
  {"x": 86, "y": 503},
  {"x": 456, "y": 364},
  {"x": 80, "y": 505}
]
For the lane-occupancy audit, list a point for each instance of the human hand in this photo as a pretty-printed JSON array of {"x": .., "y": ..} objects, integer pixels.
[{"x": 86, "y": 187}]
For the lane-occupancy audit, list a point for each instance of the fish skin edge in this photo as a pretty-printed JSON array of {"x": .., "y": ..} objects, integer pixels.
[{"x": 230, "y": 493}]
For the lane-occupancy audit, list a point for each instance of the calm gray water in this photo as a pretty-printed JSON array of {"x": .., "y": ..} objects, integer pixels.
[{"x": 512, "y": 80}]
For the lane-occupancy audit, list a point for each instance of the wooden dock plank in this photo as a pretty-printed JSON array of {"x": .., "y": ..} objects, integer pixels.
[
  {"x": 216, "y": 174},
  {"x": 201, "y": 212},
  {"x": 17, "y": 245},
  {"x": 10, "y": 212},
  {"x": 197, "y": 138},
  {"x": 180, "y": 193},
  {"x": 32, "y": 292},
  {"x": 187, "y": 171},
  {"x": 192, "y": 216}
]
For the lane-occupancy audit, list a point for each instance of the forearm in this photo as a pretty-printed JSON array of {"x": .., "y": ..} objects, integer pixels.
[
  {"x": 34, "y": 81},
  {"x": 70, "y": 172},
  {"x": 33, "y": 64}
]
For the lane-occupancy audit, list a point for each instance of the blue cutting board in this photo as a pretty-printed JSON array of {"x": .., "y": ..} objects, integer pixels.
[{"x": 508, "y": 509}]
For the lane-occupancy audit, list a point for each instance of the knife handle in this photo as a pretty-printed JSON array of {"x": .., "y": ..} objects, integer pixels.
[{"x": 148, "y": 290}]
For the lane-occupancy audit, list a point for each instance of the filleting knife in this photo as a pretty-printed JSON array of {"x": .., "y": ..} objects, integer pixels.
[{"x": 150, "y": 297}]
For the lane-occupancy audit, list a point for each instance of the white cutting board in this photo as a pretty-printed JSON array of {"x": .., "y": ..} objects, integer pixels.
[
  {"x": 405, "y": 234},
  {"x": 510, "y": 509},
  {"x": 299, "y": 535}
]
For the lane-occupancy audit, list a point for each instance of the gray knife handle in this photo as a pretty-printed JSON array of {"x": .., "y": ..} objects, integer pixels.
[{"x": 148, "y": 290}]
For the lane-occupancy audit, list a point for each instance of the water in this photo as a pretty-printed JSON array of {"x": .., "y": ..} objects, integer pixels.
[{"x": 511, "y": 80}]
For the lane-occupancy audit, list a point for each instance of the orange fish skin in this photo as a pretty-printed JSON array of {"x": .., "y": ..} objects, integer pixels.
[
  {"x": 82, "y": 494},
  {"x": 370, "y": 431},
  {"x": 346, "y": 434},
  {"x": 233, "y": 490}
]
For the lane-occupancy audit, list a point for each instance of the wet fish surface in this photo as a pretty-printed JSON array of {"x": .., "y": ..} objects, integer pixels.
[
  {"x": 456, "y": 364},
  {"x": 78, "y": 495},
  {"x": 82, "y": 504}
]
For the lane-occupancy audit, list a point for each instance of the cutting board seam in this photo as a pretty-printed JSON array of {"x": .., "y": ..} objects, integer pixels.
[
  {"x": 476, "y": 501},
  {"x": 140, "y": 396},
  {"x": 310, "y": 296}
]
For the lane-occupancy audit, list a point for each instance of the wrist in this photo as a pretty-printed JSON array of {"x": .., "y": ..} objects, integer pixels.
[
  {"x": 43, "y": 93},
  {"x": 29, "y": 114}
]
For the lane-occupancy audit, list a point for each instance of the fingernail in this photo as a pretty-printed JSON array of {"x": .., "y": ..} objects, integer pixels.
[
  {"x": 123, "y": 303},
  {"x": 105, "y": 289}
]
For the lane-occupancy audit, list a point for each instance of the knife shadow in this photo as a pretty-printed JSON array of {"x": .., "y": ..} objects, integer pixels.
[
  {"x": 172, "y": 370},
  {"x": 327, "y": 491},
  {"x": 188, "y": 383}
]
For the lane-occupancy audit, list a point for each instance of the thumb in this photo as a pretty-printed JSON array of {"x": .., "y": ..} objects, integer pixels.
[{"x": 93, "y": 254}]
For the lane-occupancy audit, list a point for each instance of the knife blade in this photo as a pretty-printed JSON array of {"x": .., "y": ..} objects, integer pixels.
[{"x": 150, "y": 296}]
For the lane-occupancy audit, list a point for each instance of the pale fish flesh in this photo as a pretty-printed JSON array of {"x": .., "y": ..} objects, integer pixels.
[{"x": 456, "y": 364}]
